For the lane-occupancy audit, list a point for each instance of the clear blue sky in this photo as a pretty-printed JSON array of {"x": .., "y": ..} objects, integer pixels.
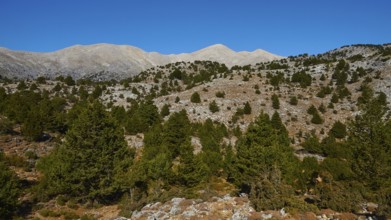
[{"x": 288, "y": 27}]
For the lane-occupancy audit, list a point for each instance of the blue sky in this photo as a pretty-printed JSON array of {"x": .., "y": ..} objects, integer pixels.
[{"x": 284, "y": 27}]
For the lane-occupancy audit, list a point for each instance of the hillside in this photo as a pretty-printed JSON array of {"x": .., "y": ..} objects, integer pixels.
[
  {"x": 102, "y": 62},
  {"x": 301, "y": 137}
]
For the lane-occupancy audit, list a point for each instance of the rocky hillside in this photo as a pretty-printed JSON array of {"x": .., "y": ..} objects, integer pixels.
[
  {"x": 331, "y": 82},
  {"x": 105, "y": 61}
]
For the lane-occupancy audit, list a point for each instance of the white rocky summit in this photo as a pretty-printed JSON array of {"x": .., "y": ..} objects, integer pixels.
[{"x": 108, "y": 61}]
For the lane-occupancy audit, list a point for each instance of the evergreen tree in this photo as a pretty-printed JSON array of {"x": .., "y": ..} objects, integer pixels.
[
  {"x": 213, "y": 107},
  {"x": 9, "y": 190},
  {"x": 165, "y": 111},
  {"x": 192, "y": 170},
  {"x": 311, "y": 110},
  {"x": 277, "y": 123},
  {"x": 21, "y": 85},
  {"x": 338, "y": 130},
  {"x": 247, "y": 108},
  {"x": 32, "y": 127},
  {"x": 91, "y": 161},
  {"x": 275, "y": 102},
  {"x": 69, "y": 81},
  {"x": 195, "y": 98},
  {"x": 316, "y": 119},
  {"x": 265, "y": 163},
  {"x": 293, "y": 100},
  {"x": 175, "y": 132}
]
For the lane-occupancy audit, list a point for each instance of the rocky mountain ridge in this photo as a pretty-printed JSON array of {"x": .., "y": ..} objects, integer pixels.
[{"x": 107, "y": 61}]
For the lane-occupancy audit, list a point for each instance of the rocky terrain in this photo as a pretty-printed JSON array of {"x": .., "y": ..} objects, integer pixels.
[{"x": 106, "y": 61}]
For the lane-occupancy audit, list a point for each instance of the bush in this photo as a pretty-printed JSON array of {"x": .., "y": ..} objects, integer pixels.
[
  {"x": 293, "y": 100},
  {"x": 5, "y": 125},
  {"x": 302, "y": 78},
  {"x": 220, "y": 94},
  {"x": 316, "y": 119},
  {"x": 213, "y": 107},
  {"x": 195, "y": 98},
  {"x": 247, "y": 108},
  {"x": 338, "y": 130},
  {"x": 9, "y": 190}
]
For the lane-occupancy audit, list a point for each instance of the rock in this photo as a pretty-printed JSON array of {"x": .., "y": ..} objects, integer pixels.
[{"x": 267, "y": 216}]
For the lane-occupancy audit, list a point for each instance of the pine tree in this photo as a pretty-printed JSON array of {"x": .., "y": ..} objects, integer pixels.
[
  {"x": 293, "y": 100},
  {"x": 195, "y": 98},
  {"x": 192, "y": 170},
  {"x": 247, "y": 108},
  {"x": 265, "y": 164},
  {"x": 213, "y": 107},
  {"x": 9, "y": 190},
  {"x": 316, "y": 119},
  {"x": 165, "y": 110},
  {"x": 90, "y": 162},
  {"x": 338, "y": 130},
  {"x": 275, "y": 102}
]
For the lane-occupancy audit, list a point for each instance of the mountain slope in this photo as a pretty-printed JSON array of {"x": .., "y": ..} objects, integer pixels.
[{"x": 107, "y": 61}]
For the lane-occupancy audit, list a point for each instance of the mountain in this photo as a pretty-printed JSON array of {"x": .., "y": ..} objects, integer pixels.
[{"x": 107, "y": 61}]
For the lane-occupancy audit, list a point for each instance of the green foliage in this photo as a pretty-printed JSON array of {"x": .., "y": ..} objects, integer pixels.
[
  {"x": 41, "y": 80},
  {"x": 247, "y": 108},
  {"x": 220, "y": 94},
  {"x": 192, "y": 169},
  {"x": 316, "y": 119},
  {"x": 9, "y": 190},
  {"x": 32, "y": 127},
  {"x": 355, "y": 58},
  {"x": 165, "y": 111},
  {"x": 69, "y": 81},
  {"x": 264, "y": 164},
  {"x": 275, "y": 65},
  {"x": 91, "y": 162},
  {"x": 177, "y": 74},
  {"x": 275, "y": 102},
  {"x": 277, "y": 79},
  {"x": 177, "y": 99},
  {"x": 302, "y": 78},
  {"x": 21, "y": 85},
  {"x": 142, "y": 117},
  {"x": 98, "y": 91},
  {"x": 5, "y": 125},
  {"x": 195, "y": 98},
  {"x": 336, "y": 196},
  {"x": 338, "y": 168},
  {"x": 338, "y": 130},
  {"x": 213, "y": 107},
  {"x": 311, "y": 110},
  {"x": 340, "y": 72},
  {"x": 312, "y": 145},
  {"x": 334, "y": 98},
  {"x": 369, "y": 137},
  {"x": 293, "y": 100}
]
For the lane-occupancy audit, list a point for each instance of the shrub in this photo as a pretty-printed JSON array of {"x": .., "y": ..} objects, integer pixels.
[
  {"x": 195, "y": 98},
  {"x": 293, "y": 100},
  {"x": 316, "y": 119},
  {"x": 247, "y": 108},
  {"x": 338, "y": 130},
  {"x": 213, "y": 107},
  {"x": 220, "y": 94}
]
